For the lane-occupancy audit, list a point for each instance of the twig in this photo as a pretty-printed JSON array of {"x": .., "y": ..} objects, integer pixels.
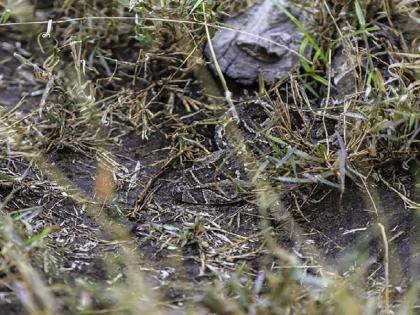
[
  {"x": 386, "y": 266},
  {"x": 146, "y": 190},
  {"x": 228, "y": 93}
]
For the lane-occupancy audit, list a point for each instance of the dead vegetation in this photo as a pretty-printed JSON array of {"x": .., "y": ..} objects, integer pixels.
[{"x": 105, "y": 102}]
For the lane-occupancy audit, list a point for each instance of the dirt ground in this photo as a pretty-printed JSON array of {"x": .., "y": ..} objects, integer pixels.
[{"x": 173, "y": 238}]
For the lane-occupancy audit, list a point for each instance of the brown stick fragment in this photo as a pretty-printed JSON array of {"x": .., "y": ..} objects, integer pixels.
[{"x": 147, "y": 190}]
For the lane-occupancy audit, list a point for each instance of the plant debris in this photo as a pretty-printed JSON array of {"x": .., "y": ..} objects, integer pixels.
[{"x": 105, "y": 105}]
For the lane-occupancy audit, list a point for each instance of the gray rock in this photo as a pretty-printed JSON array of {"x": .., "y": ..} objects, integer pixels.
[
  {"x": 342, "y": 73},
  {"x": 263, "y": 40}
]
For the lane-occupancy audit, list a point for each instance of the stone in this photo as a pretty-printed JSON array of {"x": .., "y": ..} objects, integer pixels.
[{"x": 261, "y": 40}]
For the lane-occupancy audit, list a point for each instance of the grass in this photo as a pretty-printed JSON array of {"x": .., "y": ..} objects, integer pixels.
[{"x": 111, "y": 104}]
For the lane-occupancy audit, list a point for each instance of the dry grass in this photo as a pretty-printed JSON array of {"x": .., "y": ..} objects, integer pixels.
[{"x": 112, "y": 107}]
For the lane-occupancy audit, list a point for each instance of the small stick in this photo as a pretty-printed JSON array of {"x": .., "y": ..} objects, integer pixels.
[
  {"x": 145, "y": 192},
  {"x": 386, "y": 266},
  {"x": 228, "y": 93}
]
